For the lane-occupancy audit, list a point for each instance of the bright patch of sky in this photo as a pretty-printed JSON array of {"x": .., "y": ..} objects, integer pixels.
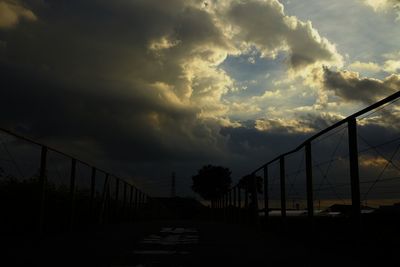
[
  {"x": 261, "y": 87},
  {"x": 360, "y": 33},
  {"x": 253, "y": 74},
  {"x": 368, "y": 41}
]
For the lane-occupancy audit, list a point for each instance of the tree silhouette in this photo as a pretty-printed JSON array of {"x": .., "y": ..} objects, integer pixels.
[{"x": 211, "y": 181}]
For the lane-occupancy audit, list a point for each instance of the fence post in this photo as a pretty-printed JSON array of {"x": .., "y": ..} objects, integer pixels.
[
  {"x": 139, "y": 199},
  {"x": 130, "y": 203},
  {"x": 234, "y": 208},
  {"x": 234, "y": 196},
  {"x": 283, "y": 189},
  {"x": 43, "y": 187},
  {"x": 104, "y": 198},
  {"x": 266, "y": 196},
  {"x": 136, "y": 202},
  {"x": 143, "y": 205},
  {"x": 92, "y": 192},
  {"x": 224, "y": 206},
  {"x": 72, "y": 194},
  {"x": 254, "y": 198},
  {"x": 239, "y": 197},
  {"x": 140, "y": 204},
  {"x": 220, "y": 209},
  {"x": 354, "y": 173},
  {"x": 124, "y": 200},
  {"x": 230, "y": 206},
  {"x": 309, "y": 177},
  {"x": 239, "y": 204},
  {"x": 246, "y": 197},
  {"x": 116, "y": 205},
  {"x": 217, "y": 208}
]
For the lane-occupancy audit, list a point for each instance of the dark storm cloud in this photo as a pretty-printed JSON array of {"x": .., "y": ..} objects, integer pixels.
[
  {"x": 135, "y": 73},
  {"x": 67, "y": 112},
  {"x": 351, "y": 87},
  {"x": 138, "y": 83},
  {"x": 112, "y": 82},
  {"x": 111, "y": 37},
  {"x": 243, "y": 140}
]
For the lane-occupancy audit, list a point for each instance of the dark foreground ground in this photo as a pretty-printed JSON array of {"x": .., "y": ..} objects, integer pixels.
[{"x": 188, "y": 243}]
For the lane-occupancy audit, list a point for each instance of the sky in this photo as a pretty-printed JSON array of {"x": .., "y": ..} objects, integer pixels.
[{"x": 147, "y": 87}]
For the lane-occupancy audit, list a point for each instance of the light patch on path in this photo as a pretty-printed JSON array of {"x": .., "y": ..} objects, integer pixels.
[{"x": 170, "y": 243}]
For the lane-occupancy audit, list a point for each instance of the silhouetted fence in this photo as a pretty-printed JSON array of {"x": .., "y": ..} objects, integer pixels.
[
  {"x": 43, "y": 189},
  {"x": 327, "y": 169}
]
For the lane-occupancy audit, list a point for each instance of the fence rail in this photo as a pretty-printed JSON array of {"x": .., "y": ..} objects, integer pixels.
[
  {"x": 44, "y": 203},
  {"x": 248, "y": 184}
]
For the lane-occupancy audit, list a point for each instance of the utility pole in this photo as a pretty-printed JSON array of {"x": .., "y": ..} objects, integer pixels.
[{"x": 173, "y": 185}]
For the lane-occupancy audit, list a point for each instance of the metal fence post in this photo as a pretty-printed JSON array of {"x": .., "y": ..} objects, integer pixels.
[
  {"x": 239, "y": 198},
  {"x": 309, "y": 177},
  {"x": 136, "y": 202},
  {"x": 104, "y": 198},
  {"x": 354, "y": 173},
  {"x": 224, "y": 206},
  {"x": 124, "y": 200},
  {"x": 240, "y": 211},
  {"x": 283, "y": 188},
  {"x": 246, "y": 204},
  {"x": 266, "y": 196},
  {"x": 234, "y": 196},
  {"x": 72, "y": 194},
  {"x": 230, "y": 206},
  {"x": 246, "y": 197},
  {"x": 230, "y": 198},
  {"x": 140, "y": 204},
  {"x": 254, "y": 198},
  {"x": 131, "y": 208},
  {"x": 43, "y": 188},
  {"x": 92, "y": 192},
  {"x": 116, "y": 215}
]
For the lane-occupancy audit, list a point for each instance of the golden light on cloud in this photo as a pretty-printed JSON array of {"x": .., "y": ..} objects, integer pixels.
[
  {"x": 384, "y": 6},
  {"x": 196, "y": 78},
  {"x": 365, "y": 66},
  {"x": 163, "y": 43},
  {"x": 378, "y": 5},
  {"x": 291, "y": 126},
  {"x": 372, "y": 162},
  {"x": 11, "y": 12},
  {"x": 392, "y": 66}
]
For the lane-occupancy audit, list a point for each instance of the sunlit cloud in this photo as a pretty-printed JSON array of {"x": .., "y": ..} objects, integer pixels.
[
  {"x": 291, "y": 126},
  {"x": 351, "y": 87},
  {"x": 364, "y": 66},
  {"x": 372, "y": 161},
  {"x": 384, "y": 6},
  {"x": 392, "y": 66},
  {"x": 12, "y": 12},
  {"x": 182, "y": 81},
  {"x": 265, "y": 25}
]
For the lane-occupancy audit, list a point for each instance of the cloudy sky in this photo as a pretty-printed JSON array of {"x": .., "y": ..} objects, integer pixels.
[{"x": 147, "y": 87}]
